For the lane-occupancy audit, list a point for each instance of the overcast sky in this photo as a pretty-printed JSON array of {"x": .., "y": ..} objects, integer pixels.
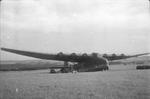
[{"x": 51, "y": 26}]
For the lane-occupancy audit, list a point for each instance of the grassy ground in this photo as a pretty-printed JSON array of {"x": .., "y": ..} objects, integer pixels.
[{"x": 123, "y": 83}]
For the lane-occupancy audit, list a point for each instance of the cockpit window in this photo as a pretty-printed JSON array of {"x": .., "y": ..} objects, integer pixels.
[
  {"x": 94, "y": 54},
  {"x": 99, "y": 56}
]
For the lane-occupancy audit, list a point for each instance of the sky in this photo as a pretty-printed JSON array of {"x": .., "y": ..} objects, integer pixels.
[{"x": 81, "y": 26}]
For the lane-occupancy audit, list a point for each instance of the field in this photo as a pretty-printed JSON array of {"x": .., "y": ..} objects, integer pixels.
[{"x": 120, "y": 82}]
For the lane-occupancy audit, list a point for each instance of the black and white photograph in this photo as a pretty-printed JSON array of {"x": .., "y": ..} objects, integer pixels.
[{"x": 74, "y": 49}]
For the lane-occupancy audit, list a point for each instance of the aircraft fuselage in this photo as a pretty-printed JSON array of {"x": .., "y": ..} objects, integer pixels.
[{"x": 96, "y": 64}]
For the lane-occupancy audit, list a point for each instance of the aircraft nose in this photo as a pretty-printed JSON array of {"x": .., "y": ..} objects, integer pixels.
[{"x": 105, "y": 61}]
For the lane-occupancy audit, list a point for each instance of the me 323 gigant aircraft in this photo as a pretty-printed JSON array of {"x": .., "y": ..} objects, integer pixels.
[{"x": 82, "y": 63}]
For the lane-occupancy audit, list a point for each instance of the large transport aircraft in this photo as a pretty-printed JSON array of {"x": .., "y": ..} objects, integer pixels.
[{"x": 82, "y": 63}]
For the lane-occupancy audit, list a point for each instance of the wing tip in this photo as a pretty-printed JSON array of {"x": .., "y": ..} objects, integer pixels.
[
  {"x": 5, "y": 49},
  {"x": 2, "y": 48}
]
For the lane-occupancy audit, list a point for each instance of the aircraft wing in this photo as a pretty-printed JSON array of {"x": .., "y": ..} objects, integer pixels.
[
  {"x": 46, "y": 56},
  {"x": 111, "y": 58},
  {"x": 65, "y": 57}
]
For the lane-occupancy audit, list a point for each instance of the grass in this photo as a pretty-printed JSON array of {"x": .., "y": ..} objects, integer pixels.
[{"x": 118, "y": 83}]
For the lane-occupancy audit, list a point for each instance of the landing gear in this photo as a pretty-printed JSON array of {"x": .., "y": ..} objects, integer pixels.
[
  {"x": 106, "y": 68},
  {"x": 52, "y": 71},
  {"x": 63, "y": 70}
]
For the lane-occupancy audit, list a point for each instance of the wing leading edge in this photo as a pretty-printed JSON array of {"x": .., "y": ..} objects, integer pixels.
[
  {"x": 65, "y": 57},
  {"x": 112, "y": 58},
  {"x": 41, "y": 55}
]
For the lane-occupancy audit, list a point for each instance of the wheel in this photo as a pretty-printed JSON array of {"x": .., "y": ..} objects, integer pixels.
[
  {"x": 107, "y": 68},
  {"x": 52, "y": 71}
]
